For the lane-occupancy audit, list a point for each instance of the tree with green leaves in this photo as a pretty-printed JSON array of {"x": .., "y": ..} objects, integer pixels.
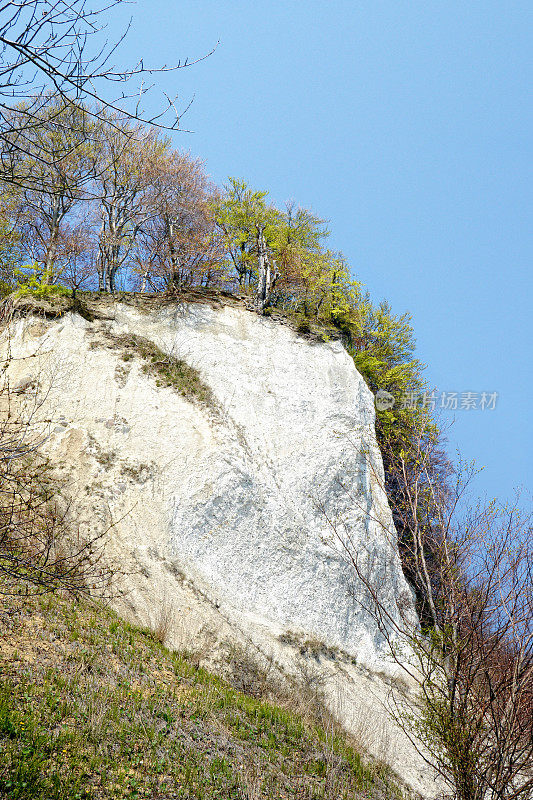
[
  {"x": 271, "y": 250},
  {"x": 249, "y": 227},
  {"x": 384, "y": 353}
]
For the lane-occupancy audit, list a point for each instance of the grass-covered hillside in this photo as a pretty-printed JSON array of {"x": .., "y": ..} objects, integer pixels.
[{"x": 91, "y": 707}]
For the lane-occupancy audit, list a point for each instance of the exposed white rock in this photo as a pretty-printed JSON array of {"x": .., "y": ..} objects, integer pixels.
[{"x": 218, "y": 515}]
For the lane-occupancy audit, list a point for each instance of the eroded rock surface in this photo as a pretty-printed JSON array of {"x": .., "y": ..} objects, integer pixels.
[{"x": 222, "y": 515}]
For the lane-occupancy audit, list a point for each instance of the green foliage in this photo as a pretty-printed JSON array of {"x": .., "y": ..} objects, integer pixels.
[
  {"x": 6, "y": 288},
  {"x": 36, "y": 283},
  {"x": 239, "y": 214},
  {"x": 330, "y": 294},
  {"x": 291, "y": 236},
  {"x": 306, "y": 278},
  {"x": 384, "y": 354}
]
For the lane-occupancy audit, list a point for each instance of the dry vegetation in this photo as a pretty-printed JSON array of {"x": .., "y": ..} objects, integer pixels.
[
  {"x": 97, "y": 305},
  {"x": 167, "y": 369}
]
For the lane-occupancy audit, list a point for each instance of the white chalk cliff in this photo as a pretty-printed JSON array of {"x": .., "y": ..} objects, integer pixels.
[{"x": 219, "y": 516}]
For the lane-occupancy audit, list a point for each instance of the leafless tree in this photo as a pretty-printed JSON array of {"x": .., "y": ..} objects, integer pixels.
[
  {"x": 179, "y": 244},
  {"x": 131, "y": 160},
  {"x": 41, "y": 211},
  {"x": 472, "y": 657},
  {"x": 41, "y": 547},
  {"x": 58, "y": 49},
  {"x": 76, "y": 257}
]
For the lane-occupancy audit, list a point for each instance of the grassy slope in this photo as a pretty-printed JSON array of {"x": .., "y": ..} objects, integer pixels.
[{"x": 91, "y": 707}]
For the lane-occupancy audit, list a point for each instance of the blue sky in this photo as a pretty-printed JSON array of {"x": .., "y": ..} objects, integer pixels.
[{"x": 408, "y": 126}]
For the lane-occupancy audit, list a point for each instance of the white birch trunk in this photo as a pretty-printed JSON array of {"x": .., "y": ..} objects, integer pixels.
[{"x": 263, "y": 281}]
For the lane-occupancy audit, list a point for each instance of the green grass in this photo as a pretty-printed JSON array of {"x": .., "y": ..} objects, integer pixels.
[{"x": 91, "y": 707}]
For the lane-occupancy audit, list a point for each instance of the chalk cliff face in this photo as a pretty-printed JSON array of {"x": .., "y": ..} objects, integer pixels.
[
  {"x": 222, "y": 517},
  {"x": 243, "y": 491}
]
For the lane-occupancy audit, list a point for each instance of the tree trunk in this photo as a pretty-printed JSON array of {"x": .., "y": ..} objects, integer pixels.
[
  {"x": 263, "y": 282},
  {"x": 172, "y": 249},
  {"x": 111, "y": 274},
  {"x": 51, "y": 247},
  {"x": 102, "y": 260}
]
